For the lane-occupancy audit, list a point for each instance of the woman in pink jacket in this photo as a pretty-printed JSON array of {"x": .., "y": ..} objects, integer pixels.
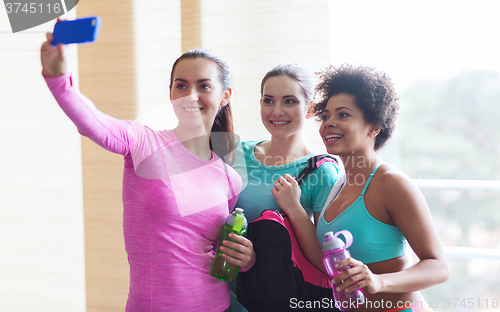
[{"x": 177, "y": 186}]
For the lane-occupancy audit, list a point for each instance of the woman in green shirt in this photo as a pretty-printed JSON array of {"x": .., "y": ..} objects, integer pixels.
[{"x": 286, "y": 94}]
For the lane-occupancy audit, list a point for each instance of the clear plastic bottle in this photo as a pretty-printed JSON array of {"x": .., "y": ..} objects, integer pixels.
[
  {"x": 334, "y": 250},
  {"x": 235, "y": 223}
]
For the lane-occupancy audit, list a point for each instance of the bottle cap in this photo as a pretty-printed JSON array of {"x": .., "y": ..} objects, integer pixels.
[
  {"x": 239, "y": 220},
  {"x": 332, "y": 242},
  {"x": 329, "y": 235}
]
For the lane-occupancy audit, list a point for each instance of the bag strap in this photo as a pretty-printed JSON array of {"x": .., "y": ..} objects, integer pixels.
[
  {"x": 334, "y": 191},
  {"x": 314, "y": 163}
]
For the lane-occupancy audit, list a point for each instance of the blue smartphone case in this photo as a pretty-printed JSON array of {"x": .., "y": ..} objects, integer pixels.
[{"x": 82, "y": 30}]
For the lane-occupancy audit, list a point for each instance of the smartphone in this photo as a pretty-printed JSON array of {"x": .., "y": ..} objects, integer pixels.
[{"x": 81, "y": 30}]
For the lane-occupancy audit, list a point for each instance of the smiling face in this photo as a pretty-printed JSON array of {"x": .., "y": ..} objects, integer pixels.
[
  {"x": 344, "y": 129},
  {"x": 197, "y": 92},
  {"x": 283, "y": 108}
]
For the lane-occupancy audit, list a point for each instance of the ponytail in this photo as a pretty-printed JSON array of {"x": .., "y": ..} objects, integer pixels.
[{"x": 222, "y": 135}]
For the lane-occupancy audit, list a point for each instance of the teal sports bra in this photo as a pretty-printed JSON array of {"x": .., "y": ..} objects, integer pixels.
[{"x": 373, "y": 240}]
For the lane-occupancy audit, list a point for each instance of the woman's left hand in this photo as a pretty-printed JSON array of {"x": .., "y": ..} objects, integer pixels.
[
  {"x": 358, "y": 273},
  {"x": 239, "y": 252}
]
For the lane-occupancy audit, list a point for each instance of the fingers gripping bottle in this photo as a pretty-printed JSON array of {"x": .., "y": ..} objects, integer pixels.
[
  {"x": 334, "y": 250},
  {"x": 235, "y": 223}
]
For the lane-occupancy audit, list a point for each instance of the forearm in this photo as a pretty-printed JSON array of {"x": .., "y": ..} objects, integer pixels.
[
  {"x": 424, "y": 274},
  {"x": 287, "y": 193},
  {"x": 106, "y": 131},
  {"x": 305, "y": 232}
]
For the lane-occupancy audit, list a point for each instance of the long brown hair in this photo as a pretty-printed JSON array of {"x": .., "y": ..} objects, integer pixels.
[{"x": 222, "y": 132}]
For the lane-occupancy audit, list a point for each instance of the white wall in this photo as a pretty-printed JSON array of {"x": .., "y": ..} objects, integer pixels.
[{"x": 41, "y": 207}]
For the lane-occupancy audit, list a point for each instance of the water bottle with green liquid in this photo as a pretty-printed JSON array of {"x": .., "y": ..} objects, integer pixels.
[{"x": 235, "y": 223}]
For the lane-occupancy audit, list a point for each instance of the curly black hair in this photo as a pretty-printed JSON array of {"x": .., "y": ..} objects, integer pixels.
[{"x": 373, "y": 91}]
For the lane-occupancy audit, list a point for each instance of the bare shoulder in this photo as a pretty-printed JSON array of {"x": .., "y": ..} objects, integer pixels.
[
  {"x": 402, "y": 190},
  {"x": 391, "y": 179}
]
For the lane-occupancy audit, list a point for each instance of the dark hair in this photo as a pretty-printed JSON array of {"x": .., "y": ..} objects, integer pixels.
[
  {"x": 297, "y": 73},
  {"x": 222, "y": 143},
  {"x": 373, "y": 91}
]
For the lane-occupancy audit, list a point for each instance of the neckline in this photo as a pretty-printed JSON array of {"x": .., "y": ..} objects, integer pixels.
[
  {"x": 345, "y": 210},
  {"x": 361, "y": 196},
  {"x": 292, "y": 164},
  {"x": 214, "y": 156}
]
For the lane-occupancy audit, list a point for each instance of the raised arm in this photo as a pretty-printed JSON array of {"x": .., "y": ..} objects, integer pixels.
[{"x": 108, "y": 132}]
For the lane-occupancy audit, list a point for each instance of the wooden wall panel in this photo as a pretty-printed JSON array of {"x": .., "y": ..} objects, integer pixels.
[{"x": 191, "y": 24}]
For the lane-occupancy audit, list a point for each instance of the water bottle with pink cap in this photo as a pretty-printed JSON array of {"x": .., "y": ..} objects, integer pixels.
[{"x": 334, "y": 251}]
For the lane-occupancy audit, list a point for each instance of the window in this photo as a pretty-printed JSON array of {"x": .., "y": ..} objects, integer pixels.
[{"x": 444, "y": 62}]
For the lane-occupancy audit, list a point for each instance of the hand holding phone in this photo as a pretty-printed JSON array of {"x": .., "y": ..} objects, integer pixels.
[
  {"x": 81, "y": 30},
  {"x": 52, "y": 58}
]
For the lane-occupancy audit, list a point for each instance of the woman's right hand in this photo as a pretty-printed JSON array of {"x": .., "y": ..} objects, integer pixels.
[
  {"x": 357, "y": 276},
  {"x": 287, "y": 192},
  {"x": 53, "y": 60}
]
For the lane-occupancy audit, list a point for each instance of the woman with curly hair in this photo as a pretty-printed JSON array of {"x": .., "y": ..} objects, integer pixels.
[{"x": 382, "y": 208}]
